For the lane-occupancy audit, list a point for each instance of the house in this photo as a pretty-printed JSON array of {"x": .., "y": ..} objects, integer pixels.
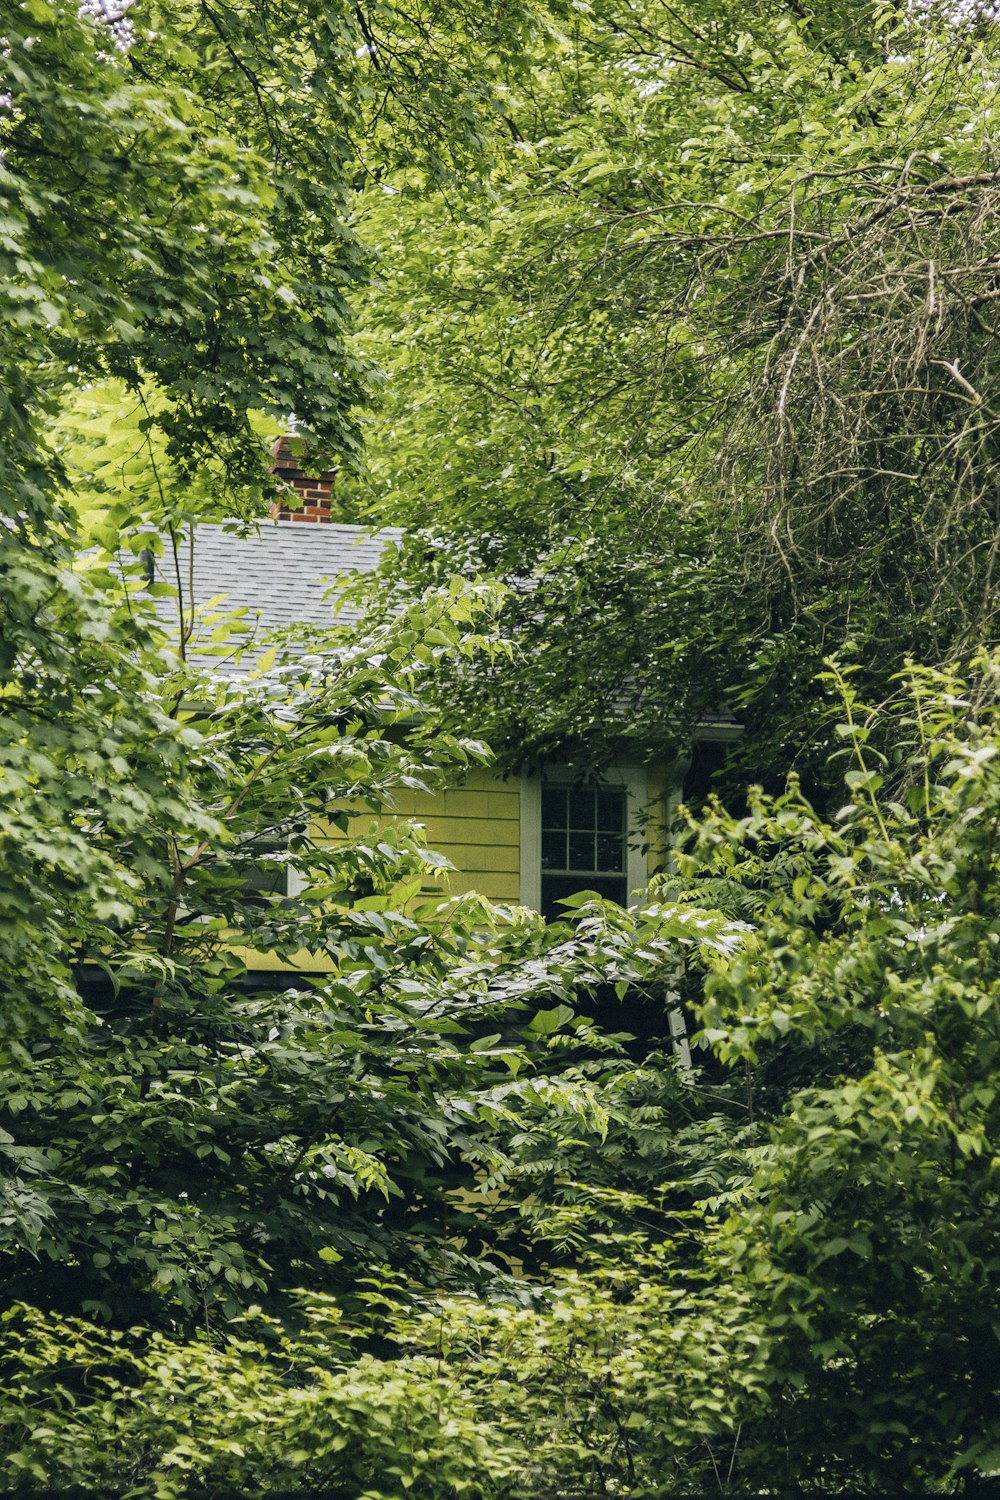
[{"x": 531, "y": 839}]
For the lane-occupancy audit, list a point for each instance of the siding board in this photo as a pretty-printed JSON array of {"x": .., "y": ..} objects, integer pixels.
[
  {"x": 503, "y": 832},
  {"x": 469, "y": 857},
  {"x": 476, "y": 826},
  {"x": 502, "y": 886}
]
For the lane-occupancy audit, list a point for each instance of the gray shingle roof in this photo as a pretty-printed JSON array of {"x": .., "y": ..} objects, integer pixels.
[
  {"x": 280, "y": 576},
  {"x": 283, "y": 576}
]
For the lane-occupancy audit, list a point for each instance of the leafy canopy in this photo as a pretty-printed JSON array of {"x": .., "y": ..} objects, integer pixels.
[{"x": 711, "y": 369}]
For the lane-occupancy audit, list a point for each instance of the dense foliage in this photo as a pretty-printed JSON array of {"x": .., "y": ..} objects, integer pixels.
[
  {"x": 712, "y": 369},
  {"x": 828, "y": 1292},
  {"x": 313, "y": 1178}
]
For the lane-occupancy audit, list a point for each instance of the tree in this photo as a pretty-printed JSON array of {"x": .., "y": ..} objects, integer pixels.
[
  {"x": 870, "y": 1235},
  {"x": 698, "y": 370},
  {"x": 135, "y": 233},
  {"x": 209, "y": 1135},
  {"x": 139, "y": 793},
  {"x": 176, "y": 196},
  {"x": 817, "y": 1323},
  {"x": 181, "y": 1145}
]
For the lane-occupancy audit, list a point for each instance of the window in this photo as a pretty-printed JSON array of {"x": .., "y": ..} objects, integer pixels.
[
  {"x": 584, "y": 843},
  {"x": 581, "y": 837},
  {"x": 268, "y": 878},
  {"x": 271, "y": 874}
]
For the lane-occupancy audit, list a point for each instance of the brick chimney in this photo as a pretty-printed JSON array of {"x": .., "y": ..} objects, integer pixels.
[{"x": 304, "y": 497}]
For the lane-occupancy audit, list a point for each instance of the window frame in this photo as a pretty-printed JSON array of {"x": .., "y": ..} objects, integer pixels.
[
  {"x": 634, "y": 780},
  {"x": 291, "y": 886}
]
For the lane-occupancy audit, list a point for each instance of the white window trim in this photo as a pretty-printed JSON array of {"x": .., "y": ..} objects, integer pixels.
[
  {"x": 293, "y": 882},
  {"x": 634, "y": 779}
]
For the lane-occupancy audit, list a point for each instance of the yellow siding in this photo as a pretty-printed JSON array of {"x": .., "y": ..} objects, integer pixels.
[
  {"x": 477, "y": 826},
  {"x": 268, "y": 963},
  {"x": 502, "y": 887},
  {"x": 502, "y": 832}
]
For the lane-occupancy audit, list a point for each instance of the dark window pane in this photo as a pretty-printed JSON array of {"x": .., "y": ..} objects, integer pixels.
[
  {"x": 554, "y": 849},
  {"x": 581, "y": 851},
  {"x": 610, "y": 851},
  {"x": 553, "y": 807},
  {"x": 266, "y": 879},
  {"x": 581, "y": 807},
  {"x": 611, "y": 809},
  {"x": 556, "y": 888}
]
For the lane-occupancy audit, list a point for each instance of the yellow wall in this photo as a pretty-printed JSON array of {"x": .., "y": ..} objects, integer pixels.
[{"x": 477, "y": 827}]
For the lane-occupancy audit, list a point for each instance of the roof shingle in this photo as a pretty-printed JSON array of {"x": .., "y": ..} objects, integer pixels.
[{"x": 281, "y": 576}]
